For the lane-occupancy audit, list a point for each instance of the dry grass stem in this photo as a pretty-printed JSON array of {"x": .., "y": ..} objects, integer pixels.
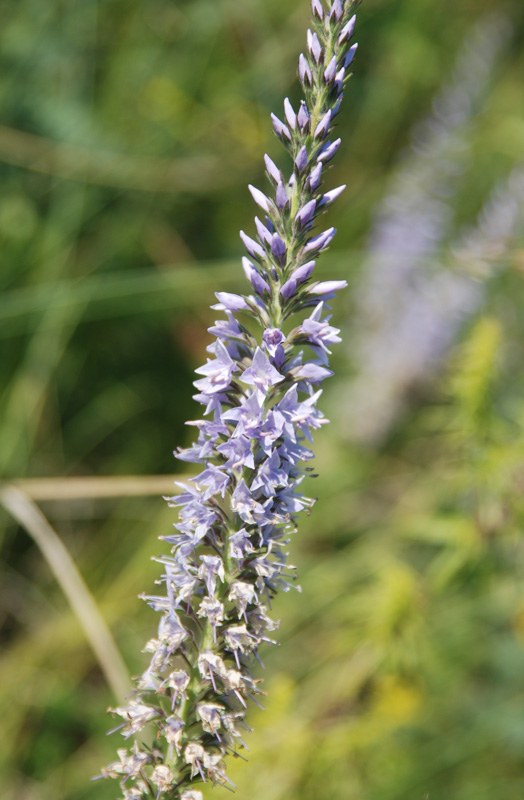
[{"x": 20, "y": 506}]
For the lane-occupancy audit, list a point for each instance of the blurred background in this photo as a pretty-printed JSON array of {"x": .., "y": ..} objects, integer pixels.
[{"x": 129, "y": 130}]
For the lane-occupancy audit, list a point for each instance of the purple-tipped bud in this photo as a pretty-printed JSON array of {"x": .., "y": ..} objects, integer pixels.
[
  {"x": 323, "y": 126},
  {"x": 278, "y": 248},
  {"x": 273, "y": 336},
  {"x": 252, "y": 247},
  {"x": 269, "y": 225},
  {"x": 347, "y": 31},
  {"x": 331, "y": 70},
  {"x": 331, "y": 196},
  {"x": 291, "y": 117},
  {"x": 288, "y": 289},
  {"x": 273, "y": 339},
  {"x": 339, "y": 79},
  {"x": 229, "y": 301},
  {"x": 327, "y": 287},
  {"x": 350, "y": 55},
  {"x": 259, "y": 284},
  {"x": 305, "y": 215},
  {"x": 248, "y": 267},
  {"x": 282, "y": 198},
  {"x": 336, "y": 10},
  {"x": 336, "y": 107},
  {"x": 260, "y": 199},
  {"x": 272, "y": 169},
  {"x": 312, "y": 372},
  {"x": 329, "y": 151},
  {"x": 304, "y": 71},
  {"x": 257, "y": 281},
  {"x": 280, "y": 129},
  {"x": 263, "y": 232},
  {"x": 301, "y": 159},
  {"x": 303, "y": 118},
  {"x": 317, "y": 8},
  {"x": 313, "y": 45},
  {"x": 302, "y": 273},
  {"x": 320, "y": 242},
  {"x": 314, "y": 178}
]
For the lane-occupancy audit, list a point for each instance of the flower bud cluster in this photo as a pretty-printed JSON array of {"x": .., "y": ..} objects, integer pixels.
[{"x": 259, "y": 389}]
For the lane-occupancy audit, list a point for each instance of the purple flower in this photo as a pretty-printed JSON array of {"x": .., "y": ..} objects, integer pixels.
[
  {"x": 237, "y": 453},
  {"x": 347, "y": 31},
  {"x": 323, "y": 126},
  {"x": 281, "y": 130},
  {"x": 212, "y": 568},
  {"x": 330, "y": 197},
  {"x": 303, "y": 117},
  {"x": 226, "y": 329},
  {"x": 320, "y": 242},
  {"x": 305, "y": 215},
  {"x": 218, "y": 372},
  {"x": 350, "y": 55},
  {"x": 290, "y": 115},
  {"x": 272, "y": 169},
  {"x": 298, "y": 275},
  {"x": 314, "y": 178},
  {"x": 252, "y": 274},
  {"x": 314, "y": 45},
  {"x": 303, "y": 272},
  {"x": 215, "y": 479},
  {"x": 231, "y": 302},
  {"x": 319, "y": 332},
  {"x": 327, "y": 287},
  {"x": 301, "y": 159},
  {"x": 252, "y": 247},
  {"x": 278, "y": 248},
  {"x": 243, "y": 502},
  {"x": 240, "y": 544},
  {"x": 263, "y": 232},
  {"x": 336, "y": 10},
  {"x": 261, "y": 373},
  {"x": 311, "y": 372},
  {"x": 260, "y": 198},
  {"x": 248, "y": 415},
  {"x": 273, "y": 339},
  {"x": 331, "y": 70},
  {"x": 270, "y": 476},
  {"x": 288, "y": 289},
  {"x": 281, "y": 196},
  {"x": 259, "y": 392},
  {"x": 304, "y": 70},
  {"x": 329, "y": 150},
  {"x": 317, "y": 8}
]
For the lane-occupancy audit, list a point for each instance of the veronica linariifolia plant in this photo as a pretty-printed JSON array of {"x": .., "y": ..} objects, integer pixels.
[
  {"x": 413, "y": 298},
  {"x": 259, "y": 390}
]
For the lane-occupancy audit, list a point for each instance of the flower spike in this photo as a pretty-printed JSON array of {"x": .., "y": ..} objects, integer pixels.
[{"x": 259, "y": 389}]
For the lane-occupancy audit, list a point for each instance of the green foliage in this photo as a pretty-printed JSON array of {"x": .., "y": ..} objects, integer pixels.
[{"x": 130, "y": 131}]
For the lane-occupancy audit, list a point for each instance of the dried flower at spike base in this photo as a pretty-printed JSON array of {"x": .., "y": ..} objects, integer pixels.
[{"x": 162, "y": 777}]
